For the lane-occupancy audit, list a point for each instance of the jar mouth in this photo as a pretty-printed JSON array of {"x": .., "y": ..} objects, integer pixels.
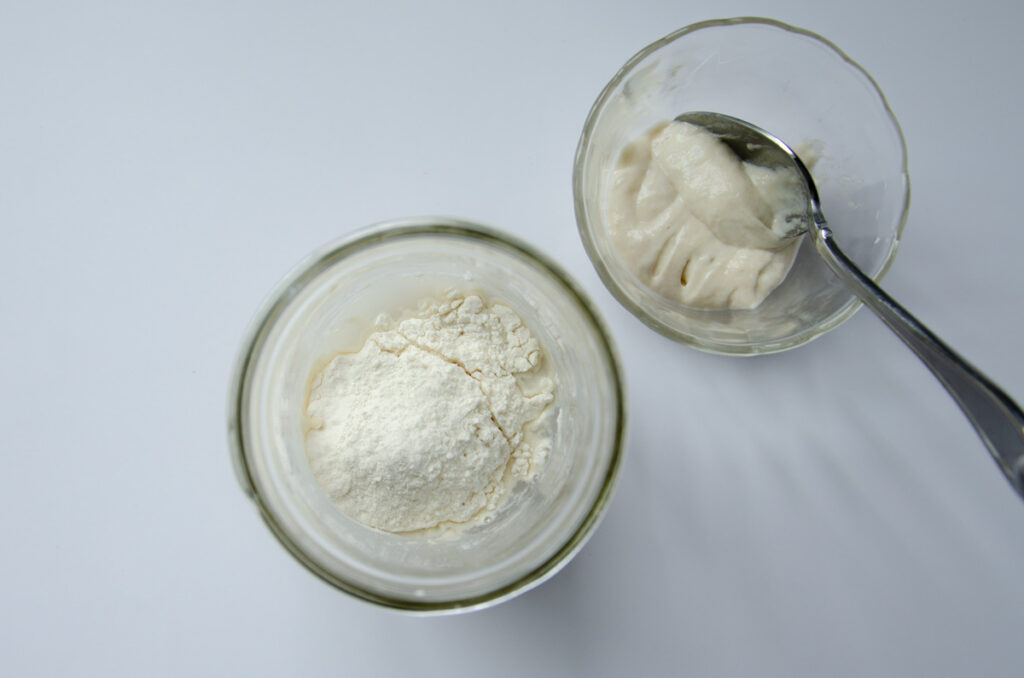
[
  {"x": 588, "y": 232},
  {"x": 240, "y": 428}
]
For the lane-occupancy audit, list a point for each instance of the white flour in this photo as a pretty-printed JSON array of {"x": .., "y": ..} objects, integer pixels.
[{"x": 433, "y": 421}]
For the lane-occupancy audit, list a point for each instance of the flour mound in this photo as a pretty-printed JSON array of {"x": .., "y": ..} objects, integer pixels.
[{"x": 433, "y": 421}]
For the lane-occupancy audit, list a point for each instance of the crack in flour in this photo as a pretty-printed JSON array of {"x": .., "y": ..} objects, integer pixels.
[{"x": 434, "y": 420}]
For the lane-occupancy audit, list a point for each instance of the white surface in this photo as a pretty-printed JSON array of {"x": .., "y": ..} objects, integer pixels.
[{"x": 162, "y": 165}]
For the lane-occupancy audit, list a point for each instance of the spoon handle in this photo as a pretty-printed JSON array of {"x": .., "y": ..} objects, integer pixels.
[{"x": 996, "y": 418}]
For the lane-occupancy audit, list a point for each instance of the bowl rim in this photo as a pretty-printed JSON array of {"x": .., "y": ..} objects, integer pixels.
[
  {"x": 837, "y": 318},
  {"x": 305, "y": 272}
]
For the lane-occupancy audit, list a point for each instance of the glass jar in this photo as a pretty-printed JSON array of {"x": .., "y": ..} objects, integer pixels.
[
  {"x": 328, "y": 304},
  {"x": 804, "y": 90}
]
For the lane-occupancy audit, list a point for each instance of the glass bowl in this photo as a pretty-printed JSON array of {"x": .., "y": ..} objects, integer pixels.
[
  {"x": 803, "y": 89},
  {"x": 328, "y": 304}
]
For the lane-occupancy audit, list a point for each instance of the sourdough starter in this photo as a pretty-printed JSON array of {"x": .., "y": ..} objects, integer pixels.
[{"x": 696, "y": 224}]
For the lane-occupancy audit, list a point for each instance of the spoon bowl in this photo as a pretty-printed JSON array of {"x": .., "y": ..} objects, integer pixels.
[
  {"x": 997, "y": 418},
  {"x": 760, "y": 147}
]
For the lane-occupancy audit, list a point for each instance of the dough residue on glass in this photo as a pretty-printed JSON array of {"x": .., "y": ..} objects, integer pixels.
[
  {"x": 434, "y": 420},
  {"x": 696, "y": 224}
]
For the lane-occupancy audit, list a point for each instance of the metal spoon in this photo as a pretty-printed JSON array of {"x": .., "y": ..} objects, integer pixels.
[{"x": 996, "y": 418}]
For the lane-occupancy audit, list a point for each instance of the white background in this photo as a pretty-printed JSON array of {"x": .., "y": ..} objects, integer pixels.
[{"x": 823, "y": 512}]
